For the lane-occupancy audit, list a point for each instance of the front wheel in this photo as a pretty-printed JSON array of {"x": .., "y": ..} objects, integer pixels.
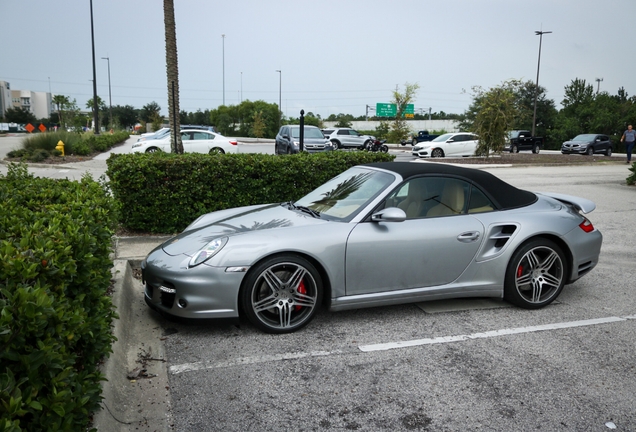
[
  {"x": 514, "y": 148},
  {"x": 437, "y": 153},
  {"x": 590, "y": 151},
  {"x": 608, "y": 152},
  {"x": 153, "y": 150},
  {"x": 536, "y": 149},
  {"x": 535, "y": 275},
  {"x": 282, "y": 294}
]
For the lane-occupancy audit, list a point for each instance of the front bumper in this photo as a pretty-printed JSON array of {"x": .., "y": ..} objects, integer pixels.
[{"x": 171, "y": 288}]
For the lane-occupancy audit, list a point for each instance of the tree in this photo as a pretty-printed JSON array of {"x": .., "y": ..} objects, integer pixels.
[
  {"x": 125, "y": 116},
  {"x": 496, "y": 113},
  {"x": 399, "y": 129},
  {"x": 101, "y": 109},
  {"x": 61, "y": 102},
  {"x": 149, "y": 112},
  {"x": 172, "y": 69},
  {"x": 19, "y": 115}
]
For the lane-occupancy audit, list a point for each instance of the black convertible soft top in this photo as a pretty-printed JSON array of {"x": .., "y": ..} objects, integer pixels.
[{"x": 504, "y": 195}]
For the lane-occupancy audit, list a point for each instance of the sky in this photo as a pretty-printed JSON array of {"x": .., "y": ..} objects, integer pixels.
[{"x": 335, "y": 56}]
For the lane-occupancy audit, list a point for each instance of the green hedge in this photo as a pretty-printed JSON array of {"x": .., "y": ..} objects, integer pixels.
[
  {"x": 164, "y": 193},
  {"x": 55, "y": 311},
  {"x": 74, "y": 144}
]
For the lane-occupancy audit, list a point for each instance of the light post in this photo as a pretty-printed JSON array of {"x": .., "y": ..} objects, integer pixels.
[
  {"x": 536, "y": 90},
  {"x": 280, "y": 85},
  {"x": 223, "y": 39},
  {"x": 241, "y": 87},
  {"x": 110, "y": 99},
  {"x": 95, "y": 107}
]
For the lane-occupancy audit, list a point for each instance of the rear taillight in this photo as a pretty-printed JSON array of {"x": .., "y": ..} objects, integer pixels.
[
  {"x": 233, "y": 142},
  {"x": 586, "y": 225}
]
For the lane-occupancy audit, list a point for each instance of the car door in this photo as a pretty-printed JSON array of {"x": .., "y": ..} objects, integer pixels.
[
  {"x": 455, "y": 145},
  {"x": 422, "y": 251},
  {"x": 186, "y": 139}
]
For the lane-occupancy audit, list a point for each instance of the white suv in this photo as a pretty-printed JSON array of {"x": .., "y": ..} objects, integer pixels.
[{"x": 346, "y": 137}]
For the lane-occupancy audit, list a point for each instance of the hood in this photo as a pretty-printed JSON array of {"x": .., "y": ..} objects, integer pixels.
[
  {"x": 577, "y": 142},
  {"x": 271, "y": 217}
]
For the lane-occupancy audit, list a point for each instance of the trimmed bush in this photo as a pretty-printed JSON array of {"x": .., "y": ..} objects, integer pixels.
[
  {"x": 164, "y": 192},
  {"x": 55, "y": 311}
]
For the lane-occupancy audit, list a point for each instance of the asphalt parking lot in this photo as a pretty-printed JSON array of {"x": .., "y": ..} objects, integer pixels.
[
  {"x": 458, "y": 365},
  {"x": 452, "y": 366}
]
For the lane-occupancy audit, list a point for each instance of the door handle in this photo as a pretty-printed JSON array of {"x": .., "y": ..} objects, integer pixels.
[{"x": 468, "y": 237}]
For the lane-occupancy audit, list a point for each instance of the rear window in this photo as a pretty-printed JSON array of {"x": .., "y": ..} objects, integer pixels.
[{"x": 327, "y": 131}]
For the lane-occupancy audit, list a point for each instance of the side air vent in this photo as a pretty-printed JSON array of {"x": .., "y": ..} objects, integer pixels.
[{"x": 497, "y": 238}]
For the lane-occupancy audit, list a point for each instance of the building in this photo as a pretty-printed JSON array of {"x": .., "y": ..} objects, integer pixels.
[{"x": 39, "y": 103}]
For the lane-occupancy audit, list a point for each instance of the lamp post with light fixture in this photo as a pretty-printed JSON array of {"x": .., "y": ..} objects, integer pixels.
[{"x": 536, "y": 90}]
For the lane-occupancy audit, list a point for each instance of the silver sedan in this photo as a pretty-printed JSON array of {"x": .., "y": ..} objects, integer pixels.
[{"x": 375, "y": 235}]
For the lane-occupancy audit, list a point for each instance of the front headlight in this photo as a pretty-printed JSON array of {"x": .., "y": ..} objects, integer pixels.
[{"x": 207, "y": 252}]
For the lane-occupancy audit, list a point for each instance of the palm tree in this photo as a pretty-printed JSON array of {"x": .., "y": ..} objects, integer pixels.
[
  {"x": 61, "y": 101},
  {"x": 172, "y": 70}
]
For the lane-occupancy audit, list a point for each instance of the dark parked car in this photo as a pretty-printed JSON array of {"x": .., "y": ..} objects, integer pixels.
[
  {"x": 288, "y": 140},
  {"x": 588, "y": 144},
  {"x": 421, "y": 136},
  {"x": 523, "y": 140}
]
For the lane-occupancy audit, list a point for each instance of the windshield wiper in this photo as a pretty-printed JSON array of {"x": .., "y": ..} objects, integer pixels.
[{"x": 290, "y": 205}]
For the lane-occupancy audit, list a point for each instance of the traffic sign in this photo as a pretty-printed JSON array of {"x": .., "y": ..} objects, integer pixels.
[{"x": 385, "y": 110}]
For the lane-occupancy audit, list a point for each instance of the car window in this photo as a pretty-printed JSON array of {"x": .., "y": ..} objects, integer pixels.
[
  {"x": 186, "y": 136},
  {"x": 479, "y": 203},
  {"x": 327, "y": 131},
  {"x": 201, "y": 136},
  {"x": 353, "y": 132},
  {"x": 343, "y": 132}
]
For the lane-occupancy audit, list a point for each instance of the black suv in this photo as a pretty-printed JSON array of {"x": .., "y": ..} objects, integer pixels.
[{"x": 288, "y": 140}]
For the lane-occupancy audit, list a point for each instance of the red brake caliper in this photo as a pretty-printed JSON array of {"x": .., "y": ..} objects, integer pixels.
[
  {"x": 301, "y": 289},
  {"x": 519, "y": 271}
]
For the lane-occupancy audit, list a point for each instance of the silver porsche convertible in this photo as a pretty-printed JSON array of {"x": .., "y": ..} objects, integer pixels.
[{"x": 375, "y": 235}]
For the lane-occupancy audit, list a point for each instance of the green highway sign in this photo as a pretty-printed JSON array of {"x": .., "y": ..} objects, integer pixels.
[
  {"x": 390, "y": 110},
  {"x": 385, "y": 110}
]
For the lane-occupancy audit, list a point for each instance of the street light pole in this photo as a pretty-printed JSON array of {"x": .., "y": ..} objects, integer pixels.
[
  {"x": 95, "y": 107},
  {"x": 536, "y": 90},
  {"x": 223, "y": 38},
  {"x": 280, "y": 85},
  {"x": 110, "y": 98}
]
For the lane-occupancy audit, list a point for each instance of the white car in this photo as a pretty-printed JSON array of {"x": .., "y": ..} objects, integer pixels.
[
  {"x": 194, "y": 141},
  {"x": 449, "y": 145}
]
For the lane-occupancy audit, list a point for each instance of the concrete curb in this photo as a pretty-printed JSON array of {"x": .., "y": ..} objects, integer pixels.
[{"x": 141, "y": 403}]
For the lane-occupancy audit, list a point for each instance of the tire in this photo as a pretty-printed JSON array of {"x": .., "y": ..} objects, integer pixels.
[
  {"x": 384, "y": 148},
  {"x": 437, "y": 153},
  {"x": 367, "y": 145},
  {"x": 414, "y": 142},
  {"x": 536, "y": 148},
  {"x": 337, "y": 144},
  {"x": 153, "y": 150},
  {"x": 535, "y": 275},
  {"x": 216, "y": 151},
  {"x": 288, "y": 151},
  {"x": 514, "y": 148},
  {"x": 590, "y": 151},
  {"x": 608, "y": 152},
  {"x": 281, "y": 294}
]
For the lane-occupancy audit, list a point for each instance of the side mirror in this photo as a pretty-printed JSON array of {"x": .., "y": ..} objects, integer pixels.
[{"x": 390, "y": 214}]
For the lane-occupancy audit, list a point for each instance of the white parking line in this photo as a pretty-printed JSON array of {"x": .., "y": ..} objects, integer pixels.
[
  {"x": 490, "y": 334},
  {"x": 190, "y": 367}
]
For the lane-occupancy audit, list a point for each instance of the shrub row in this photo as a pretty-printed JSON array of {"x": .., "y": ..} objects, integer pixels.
[
  {"x": 38, "y": 147},
  {"x": 55, "y": 311},
  {"x": 164, "y": 193}
]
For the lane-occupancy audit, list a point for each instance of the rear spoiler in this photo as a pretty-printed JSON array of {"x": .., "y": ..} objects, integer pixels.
[{"x": 581, "y": 204}]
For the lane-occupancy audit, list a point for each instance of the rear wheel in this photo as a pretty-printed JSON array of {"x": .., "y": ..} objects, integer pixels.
[
  {"x": 282, "y": 294},
  {"x": 337, "y": 144},
  {"x": 414, "y": 142},
  {"x": 384, "y": 148},
  {"x": 216, "y": 151},
  {"x": 535, "y": 275},
  {"x": 436, "y": 153},
  {"x": 590, "y": 151}
]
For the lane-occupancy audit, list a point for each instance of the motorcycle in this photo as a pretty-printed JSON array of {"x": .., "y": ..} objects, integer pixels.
[{"x": 376, "y": 145}]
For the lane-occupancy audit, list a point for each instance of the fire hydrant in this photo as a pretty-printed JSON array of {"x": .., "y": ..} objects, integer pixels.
[{"x": 60, "y": 146}]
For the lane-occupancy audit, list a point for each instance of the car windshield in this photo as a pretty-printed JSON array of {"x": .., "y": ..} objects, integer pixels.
[
  {"x": 443, "y": 138},
  {"x": 309, "y": 133},
  {"x": 513, "y": 134},
  {"x": 342, "y": 197},
  {"x": 584, "y": 137}
]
